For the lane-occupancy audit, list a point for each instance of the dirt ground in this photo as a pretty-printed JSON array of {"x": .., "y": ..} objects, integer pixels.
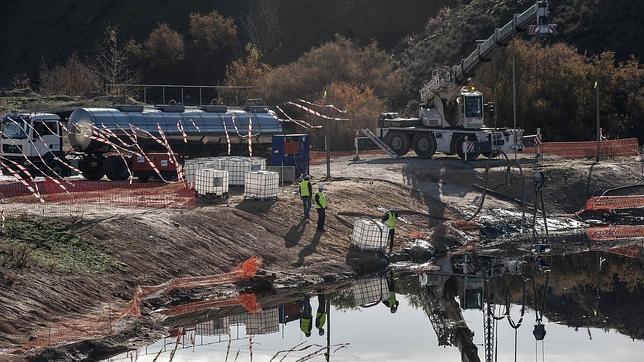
[{"x": 148, "y": 248}]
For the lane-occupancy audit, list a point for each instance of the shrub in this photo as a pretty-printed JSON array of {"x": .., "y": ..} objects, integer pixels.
[
  {"x": 336, "y": 61},
  {"x": 74, "y": 78},
  {"x": 164, "y": 46},
  {"x": 362, "y": 106},
  {"x": 555, "y": 91},
  {"x": 212, "y": 32},
  {"x": 244, "y": 72}
]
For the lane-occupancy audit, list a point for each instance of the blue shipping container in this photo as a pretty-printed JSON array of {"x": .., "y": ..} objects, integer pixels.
[{"x": 291, "y": 150}]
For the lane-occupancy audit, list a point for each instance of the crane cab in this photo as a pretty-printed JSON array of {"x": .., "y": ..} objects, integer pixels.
[{"x": 471, "y": 108}]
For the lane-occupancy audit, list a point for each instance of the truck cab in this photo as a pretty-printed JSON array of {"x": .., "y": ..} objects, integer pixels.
[{"x": 36, "y": 136}]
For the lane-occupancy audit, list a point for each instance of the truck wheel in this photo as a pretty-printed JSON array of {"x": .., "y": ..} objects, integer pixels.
[
  {"x": 424, "y": 145},
  {"x": 115, "y": 169},
  {"x": 93, "y": 175},
  {"x": 398, "y": 142},
  {"x": 458, "y": 143}
]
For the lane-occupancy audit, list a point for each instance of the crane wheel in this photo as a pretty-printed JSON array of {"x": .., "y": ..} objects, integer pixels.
[
  {"x": 458, "y": 144},
  {"x": 424, "y": 145},
  {"x": 398, "y": 142}
]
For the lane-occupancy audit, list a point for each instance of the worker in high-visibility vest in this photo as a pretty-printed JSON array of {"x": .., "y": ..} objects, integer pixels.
[
  {"x": 320, "y": 206},
  {"x": 389, "y": 219},
  {"x": 391, "y": 300},
  {"x": 306, "y": 192},
  {"x": 306, "y": 317},
  {"x": 320, "y": 315}
]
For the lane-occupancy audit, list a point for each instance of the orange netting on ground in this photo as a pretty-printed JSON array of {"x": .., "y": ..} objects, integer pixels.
[
  {"x": 608, "y": 203},
  {"x": 75, "y": 196},
  {"x": 467, "y": 226},
  {"x": 615, "y": 232},
  {"x": 629, "y": 251},
  {"x": 244, "y": 271},
  {"x": 587, "y": 149},
  {"x": 247, "y": 300},
  {"x": 109, "y": 319}
]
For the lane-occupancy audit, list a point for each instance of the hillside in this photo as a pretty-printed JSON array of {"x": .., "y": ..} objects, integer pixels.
[
  {"x": 590, "y": 26},
  {"x": 76, "y": 25}
]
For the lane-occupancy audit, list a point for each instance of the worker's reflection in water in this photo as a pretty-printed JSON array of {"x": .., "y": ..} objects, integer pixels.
[
  {"x": 306, "y": 316},
  {"x": 391, "y": 301},
  {"x": 320, "y": 315}
]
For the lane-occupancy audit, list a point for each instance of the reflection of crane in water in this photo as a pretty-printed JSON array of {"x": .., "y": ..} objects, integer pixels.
[
  {"x": 438, "y": 299},
  {"x": 475, "y": 283}
]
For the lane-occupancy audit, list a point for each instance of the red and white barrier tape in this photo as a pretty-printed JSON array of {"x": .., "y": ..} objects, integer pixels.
[
  {"x": 296, "y": 121},
  {"x": 56, "y": 157},
  {"x": 127, "y": 165},
  {"x": 36, "y": 149},
  {"x": 322, "y": 105},
  {"x": 315, "y": 113},
  {"x": 135, "y": 140},
  {"x": 250, "y": 135},
  {"x": 171, "y": 155},
  {"x": 195, "y": 125},
  {"x": 223, "y": 121},
  {"x": 34, "y": 166},
  {"x": 21, "y": 180},
  {"x": 183, "y": 132}
]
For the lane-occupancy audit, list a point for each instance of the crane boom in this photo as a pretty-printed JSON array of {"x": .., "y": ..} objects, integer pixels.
[{"x": 445, "y": 80}]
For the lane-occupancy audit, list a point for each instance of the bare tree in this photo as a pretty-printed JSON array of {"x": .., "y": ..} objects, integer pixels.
[
  {"x": 112, "y": 63},
  {"x": 262, "y": 25}
]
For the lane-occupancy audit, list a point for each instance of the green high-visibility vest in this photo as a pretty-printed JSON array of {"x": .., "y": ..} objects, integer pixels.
[
  {"x": 321, "y": 204},
  {"x": 391, "y": 220},
  {"x": 391, "y": 299},
  {"x": 320, "y": 319},
  {"x": 304, "y": 188},
  {"x": 305, "y": 325}
]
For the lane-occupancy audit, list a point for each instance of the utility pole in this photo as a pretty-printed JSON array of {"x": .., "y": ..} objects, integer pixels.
[
  {"x": 598, "y": 125},
  {"x": 514, "y": 95},
  {"x": 327, "y": 142}
]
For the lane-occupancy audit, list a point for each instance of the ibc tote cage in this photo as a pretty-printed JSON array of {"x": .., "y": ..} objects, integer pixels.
[{"x": 369, "y": 235}]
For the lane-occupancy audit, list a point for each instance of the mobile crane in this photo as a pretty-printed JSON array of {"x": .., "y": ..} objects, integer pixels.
[{"x": 451, "y": 115}]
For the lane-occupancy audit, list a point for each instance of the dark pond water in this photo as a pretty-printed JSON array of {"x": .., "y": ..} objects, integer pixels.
[{"x": 590, "y": 306}]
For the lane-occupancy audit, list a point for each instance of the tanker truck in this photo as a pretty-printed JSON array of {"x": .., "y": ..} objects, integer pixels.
[{"x": 36, "y": 140}]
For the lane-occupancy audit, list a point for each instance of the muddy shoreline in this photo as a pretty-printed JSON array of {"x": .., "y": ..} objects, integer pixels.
[{"x": 123, "y": 250}]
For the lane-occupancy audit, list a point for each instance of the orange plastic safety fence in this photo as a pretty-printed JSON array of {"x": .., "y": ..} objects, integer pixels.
[
  {"x": 245, "y": 270},
  {"x": 247, "y": 300},
  {"x": 630, "y": 251},
  {"x": 106, "y": 320},
  {"x": 464, "y": 225},
  {"x": 615, "y": 232},
  {"x": 587, "y": 149},
  {"x": 84, "y": 196},
  {"x": 608, "y": 203}
]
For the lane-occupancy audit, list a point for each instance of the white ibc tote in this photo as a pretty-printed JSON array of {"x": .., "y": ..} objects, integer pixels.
[
  {"x": 369, "y": 290},
  {"x": 209, "y": 181},
  {"x": 369, "y": 235},
  {"x": 237, "y": 168},
  {"x": 192, "y": 165},
  {"x": 258, "y": 163},
  {"x": 261, "y": 185}
]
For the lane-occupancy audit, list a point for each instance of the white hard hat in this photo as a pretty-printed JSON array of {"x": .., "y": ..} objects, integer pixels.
[{"x": 321, "y": 187}]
